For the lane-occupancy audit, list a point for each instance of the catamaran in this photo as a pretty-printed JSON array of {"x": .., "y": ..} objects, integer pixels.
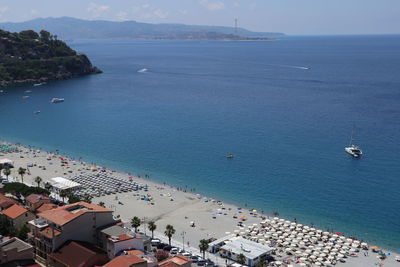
[{"x": 353, "y": 150}]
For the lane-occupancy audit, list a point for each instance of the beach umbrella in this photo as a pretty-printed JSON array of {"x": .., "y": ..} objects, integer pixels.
[
  {"x": 340, "y": 256},
  {"x": 318, "y": 263},
  {"x": 325, "y": 233},
  {"x": 320, "y": 259},
  {"x": 302, "y": 264},
  {"x": 278, "y": 262},
  {"x": 349, "y": 240}
]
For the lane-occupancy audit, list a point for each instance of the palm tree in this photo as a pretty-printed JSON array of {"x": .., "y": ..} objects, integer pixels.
[
  {"x": 169, "y": 231},
  {"x": 48, "y": 186},
  {"x": 203, "y": 246},
  {"x": 21, "y": 171},
  {"x": 241, "y": 259},
  {"x": 102, "y": 204},
  {"x": 7, "y": 172},
  {"x": 135, "y": 222},
  {"x": 152, "y": 227},
  {"x": 63, "y": 194},
  {"x": 38, "y": 180}
]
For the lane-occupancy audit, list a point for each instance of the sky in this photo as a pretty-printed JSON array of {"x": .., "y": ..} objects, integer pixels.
[{"x": 295, "y": 17}]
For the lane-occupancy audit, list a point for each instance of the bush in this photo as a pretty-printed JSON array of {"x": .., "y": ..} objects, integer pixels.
[{"x": 24, "y": 190}]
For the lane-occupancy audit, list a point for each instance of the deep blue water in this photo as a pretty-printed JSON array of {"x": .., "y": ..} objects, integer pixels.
[{"x": 200, "y": 100}]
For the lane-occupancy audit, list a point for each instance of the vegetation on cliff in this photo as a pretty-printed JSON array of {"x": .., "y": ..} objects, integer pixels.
[{"x": 29, "y": 56}]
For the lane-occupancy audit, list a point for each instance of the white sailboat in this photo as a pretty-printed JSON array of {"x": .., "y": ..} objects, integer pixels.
[{"x": 353, "y": 150}]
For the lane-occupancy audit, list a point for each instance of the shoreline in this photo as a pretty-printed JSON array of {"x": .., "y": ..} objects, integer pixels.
[{"x": 184, "y": 207}]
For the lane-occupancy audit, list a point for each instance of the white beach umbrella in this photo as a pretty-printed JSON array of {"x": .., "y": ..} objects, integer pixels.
[
  {"x": 320, "y": 259},
  {"x": 349, "y": 240},
  {"x": 325, "y": 233},
  {"x": 340, "y": 256},
  {"x": 278, "y": 262},
  {"x": 302, "y": 264},
  {"x": 318, "y": 263},
  {"x": 322, "y": 255}
]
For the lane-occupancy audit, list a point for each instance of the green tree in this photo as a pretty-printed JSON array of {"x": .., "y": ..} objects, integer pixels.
[
  {"x": 169, "y": 232},
  {"x": 152, "y": 227},
  {"x": 45, "y": 35},
  {"x": 102, "y": 204},
  {"x": 241, "y": 259},
  {"x": 261, "y": 263},
  {"x": 38, "y": 180},
  {"x": 23, "y": 232},
  {"x": 135, "y": 223},
  {"x": 7, "y": 172},
  {"x": 87, "y": 198},
  {"x": 203, "y": 246},
  {"x": 21, "y": 171},
  {"x": 28, "y": 34},
  {"x": 48, "y": 186},
  {"x": 63, "y": 194}
]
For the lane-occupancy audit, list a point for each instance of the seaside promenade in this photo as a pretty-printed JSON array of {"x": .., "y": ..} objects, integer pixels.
[{"x": 168, "y": 205}]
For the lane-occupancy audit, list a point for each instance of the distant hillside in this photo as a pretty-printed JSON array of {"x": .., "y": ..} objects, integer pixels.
[
  {"x": 71, "y": 28},
  {"x": 31, "y": 57}
]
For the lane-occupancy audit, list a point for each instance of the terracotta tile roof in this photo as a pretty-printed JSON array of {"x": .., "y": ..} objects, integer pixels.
[
  {"x": 6, "y": 202},
  {"x": 122, "y": 237},
  {"x": 169, "y": 264},
  {"x": 74, "y": 253},
  {"x": 125, "y": 261},
  {"x": 48, "y": 232},
  {"x": 14, "y": 211},
  {"x": 46, "y": 206},
  {"x": 35, "y": 198},
  {"x": 134, "y": 252},
  {"x": 65, "y": 214},
  {"x": 176, "y": 260}
]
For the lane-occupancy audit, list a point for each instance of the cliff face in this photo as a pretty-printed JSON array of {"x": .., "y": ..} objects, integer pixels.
[{"x": 31, "y": 57}]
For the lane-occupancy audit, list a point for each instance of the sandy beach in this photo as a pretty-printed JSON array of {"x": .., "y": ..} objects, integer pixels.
[{"x": 168, "y": 205}]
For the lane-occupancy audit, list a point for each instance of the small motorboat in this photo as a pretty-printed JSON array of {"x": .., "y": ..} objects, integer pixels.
[
  {"x": 36, "y": 112},
  {"x": 28, "y": 91},
  {"x": 230, "y": 156},
  {"x": 25, "y": 97},
  {"x": 57, "y": 100},
  {"x": 38, "y": 84},
  {"x": 354, "y": 151}
]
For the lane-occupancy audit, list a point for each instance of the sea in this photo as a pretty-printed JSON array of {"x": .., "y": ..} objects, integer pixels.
[{"x": 285, "y": 109}]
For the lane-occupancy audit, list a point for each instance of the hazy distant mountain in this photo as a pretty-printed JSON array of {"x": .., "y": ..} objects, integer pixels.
[{"x": 71, "y": 28}]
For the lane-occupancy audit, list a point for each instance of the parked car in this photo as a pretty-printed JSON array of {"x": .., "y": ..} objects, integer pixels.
[
  {"x": 161, "y": 245},
  {"x": 155, "y": 241},
  {"x": 174, "y": 251},
  {"x": 187, "y": 255},
  {"x": 201, "y": 262},
  {"x": 167, "y": 248},
  {"x": 194, "y": 258}
]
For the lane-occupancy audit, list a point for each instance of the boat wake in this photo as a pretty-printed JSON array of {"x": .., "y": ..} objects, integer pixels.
[
  {"x": 295, "y": 67},
  {"x": 144, "y": 70}
]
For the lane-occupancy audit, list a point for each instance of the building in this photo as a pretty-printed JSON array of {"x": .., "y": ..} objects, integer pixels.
[
  {"x": 62, "y": 184},
  {"x": 232, "y": 247},
  {"x": 79, "y": 221},
  {"x": 34, "y": 201},
  {"x": 6, "y": 163},
  {"x": 176, "y": 261},
  {"x": 45, "y": 207},
  {"x": 6, "y": 202},
  {"x": 15, "y": 250},
  {"x": 17, "y": 215},
  {"x": 127, "y": 261},
  {"x": 81, "y": 254},
  {"x": 115, "y": 239}
]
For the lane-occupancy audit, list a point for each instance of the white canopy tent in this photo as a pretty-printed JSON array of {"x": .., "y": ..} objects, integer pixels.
[{"x": 60, "y": 183}]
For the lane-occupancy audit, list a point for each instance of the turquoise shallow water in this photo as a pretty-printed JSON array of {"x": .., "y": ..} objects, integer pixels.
[{"x": 198, "y": 101}]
